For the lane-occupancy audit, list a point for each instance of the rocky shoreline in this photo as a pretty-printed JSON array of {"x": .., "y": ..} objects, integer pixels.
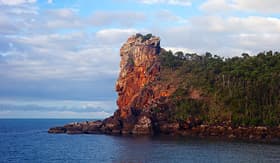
[{"x": 258, "y": 134}]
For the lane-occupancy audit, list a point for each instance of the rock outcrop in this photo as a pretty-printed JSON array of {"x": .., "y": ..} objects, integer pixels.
[
  {"x": 143, "y": 102},
  {"x": 139, "y": 66}
]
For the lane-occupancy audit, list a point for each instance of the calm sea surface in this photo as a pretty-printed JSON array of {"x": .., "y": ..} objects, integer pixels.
[{"x": 28, "y": 141}]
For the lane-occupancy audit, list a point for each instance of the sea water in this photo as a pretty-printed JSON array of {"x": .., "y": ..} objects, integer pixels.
[{"x": 27, "y": 140}]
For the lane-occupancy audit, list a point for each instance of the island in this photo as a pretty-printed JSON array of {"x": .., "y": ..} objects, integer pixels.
[{"x": 186, "y": 94}]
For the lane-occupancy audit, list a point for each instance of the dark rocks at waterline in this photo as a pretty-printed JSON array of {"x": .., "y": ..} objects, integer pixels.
[
  {"x": 145, "y": 126},
  {"x": 260, "y": 133},
  {"x": 57, "y": 130},
  {"x": 92, "y": 127}
]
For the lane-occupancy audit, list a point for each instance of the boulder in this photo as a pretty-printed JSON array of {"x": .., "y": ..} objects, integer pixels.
[
  {"x": 168, "y": 128},
  {"x": 143, "y": 126},
  {"x": 57, "y": 130}
]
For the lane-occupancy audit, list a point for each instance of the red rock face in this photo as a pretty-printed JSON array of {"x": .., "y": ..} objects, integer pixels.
[{"x": 139, "y": 66}]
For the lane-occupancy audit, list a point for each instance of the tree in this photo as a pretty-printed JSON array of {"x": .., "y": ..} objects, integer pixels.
[
  {"x": 245, "y": 55},
  {"x": 147, "y": 36},
  {"x": 243, "y": 89},
  {"x": 180, "y": 55}
]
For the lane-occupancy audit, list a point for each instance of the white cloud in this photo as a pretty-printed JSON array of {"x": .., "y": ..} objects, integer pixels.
[
  {"x": 54, "y": 114},
  {"x": 264, "y": 6},
  {"x": 216, "y": 6},
  {"x": 123, "y": 18},
  {"x": 66, "y": 13},
  {"x": 15, "y": 2},
  {"x": 182, "y": 49},
  {"x": 61, "y": 56},
  {"x": 7, "y": 26},
  {"x": 254, "y": 24},
  {"x": 114, "y": 36},
  {"x": 258, "y": 6},
  {"x": 61, "y": 18},
  {"x": 169, "y": 2},
  {"x": 57, "y": 105},
  {"x": 53, "y": 41},
  {"x": 225, "y": 36},
  {"x": 30, "y": 20},
  {"x": 50, "y": 1},
  {"x": 167, "y": 16}
]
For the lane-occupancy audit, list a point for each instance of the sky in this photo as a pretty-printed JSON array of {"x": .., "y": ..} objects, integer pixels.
[{"x": 60, "y": 58}]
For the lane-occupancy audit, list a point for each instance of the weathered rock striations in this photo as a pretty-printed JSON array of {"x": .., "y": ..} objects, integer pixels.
[
  {"x": 143, "y": 102},
  {"x": 139, "y": 66}
]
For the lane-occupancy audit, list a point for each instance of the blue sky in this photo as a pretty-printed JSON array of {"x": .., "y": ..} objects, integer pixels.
[{"x": 60, "y": 58}]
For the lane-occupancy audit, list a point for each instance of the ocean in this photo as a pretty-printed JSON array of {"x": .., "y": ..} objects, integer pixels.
[{"x": 27, "y": 140}]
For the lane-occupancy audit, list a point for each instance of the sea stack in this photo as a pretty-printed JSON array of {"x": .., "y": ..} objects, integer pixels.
[{"x": 139, "y": 66}]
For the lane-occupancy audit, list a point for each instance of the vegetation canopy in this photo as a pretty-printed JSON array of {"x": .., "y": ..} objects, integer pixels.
[
  {"x": 241, "y": 90},
  {"x": 144, "y": 37}
]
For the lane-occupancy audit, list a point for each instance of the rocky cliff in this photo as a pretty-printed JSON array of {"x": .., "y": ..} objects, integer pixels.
[
  {"x": 150, "y": 97},
  {"x": 137, "y": 90},
  {"x": 139, "y": 66}
]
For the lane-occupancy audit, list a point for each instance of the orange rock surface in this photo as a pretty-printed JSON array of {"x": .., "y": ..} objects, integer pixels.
[{"x": 139, "y": 66}]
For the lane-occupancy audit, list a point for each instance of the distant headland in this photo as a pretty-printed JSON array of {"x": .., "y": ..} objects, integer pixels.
[{"x": 161, "y": 92}]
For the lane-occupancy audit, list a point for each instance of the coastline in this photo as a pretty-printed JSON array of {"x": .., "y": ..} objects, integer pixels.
[
  {"x": 252, "y": 134},
  {"x": 155, "y": 99}
]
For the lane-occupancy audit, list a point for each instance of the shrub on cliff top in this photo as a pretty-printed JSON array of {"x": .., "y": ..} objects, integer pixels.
[{"x": 144, "y": 37}]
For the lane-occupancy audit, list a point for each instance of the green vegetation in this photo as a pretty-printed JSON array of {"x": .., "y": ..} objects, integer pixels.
[
  {"x": 167, "y": 59},
  {"x": 244, "y": 90},
  {"x": 144, "y": 37},
  {"x": 186, "y": 107}
]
